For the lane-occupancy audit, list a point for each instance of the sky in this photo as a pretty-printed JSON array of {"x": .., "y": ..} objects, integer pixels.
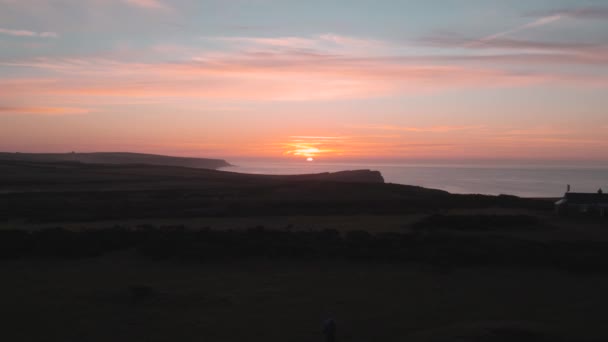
[{"x": 322, "y": 79}]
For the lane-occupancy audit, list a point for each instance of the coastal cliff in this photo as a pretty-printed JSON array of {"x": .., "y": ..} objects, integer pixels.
[{"x": 354, "y": 176}]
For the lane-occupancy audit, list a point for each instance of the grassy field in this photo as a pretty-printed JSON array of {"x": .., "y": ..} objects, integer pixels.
[
  {"x": 90, "y": 300},
  {"x": 342, "y": 223},
  {"x": 557, "y": 228},
  {"x": 465, "y": 273}
]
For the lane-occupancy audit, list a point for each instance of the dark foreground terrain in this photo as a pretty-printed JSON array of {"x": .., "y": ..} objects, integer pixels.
[
  {"x": 121, "y": 297},
  {"x": 164, "y": 253}
]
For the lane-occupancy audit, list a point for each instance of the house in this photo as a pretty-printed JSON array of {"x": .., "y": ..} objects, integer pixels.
[{"x": 583, "y": 204}]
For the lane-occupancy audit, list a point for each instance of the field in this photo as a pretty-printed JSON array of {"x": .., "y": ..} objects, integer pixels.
[
  {"x": 157, "y": 253},
  {"x": 92, "y": 300}
]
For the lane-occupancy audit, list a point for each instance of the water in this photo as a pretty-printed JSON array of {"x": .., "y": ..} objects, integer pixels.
[{"x": 519, "y": 180}]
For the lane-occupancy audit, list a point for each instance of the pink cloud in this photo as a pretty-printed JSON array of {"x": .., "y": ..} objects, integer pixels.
[
  {"x": 251, "y": 82},
  {"x": 333, "y": 43},
  {"x": 503, "y": 43},
  {"x": 148, "y": 4},
  {"x": 50, "y": 111},
  {"x": 355, "y": 146},
  {"x": 27, "y": 33},
  {"x": 350, "y": 41},
  {"x": 552, "y": 136},
  {"x": 432, "y": 129},
  {"x": 293, "y": 42},
  {"x": 288, "y": 76}
]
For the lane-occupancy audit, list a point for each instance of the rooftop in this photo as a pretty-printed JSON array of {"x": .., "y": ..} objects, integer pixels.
[{"x": 585, "y": 198}]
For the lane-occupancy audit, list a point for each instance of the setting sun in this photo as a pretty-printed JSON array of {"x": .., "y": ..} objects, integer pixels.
[
  {"x": 311, "y": 147},
  {"x": 310, "y": 159}
]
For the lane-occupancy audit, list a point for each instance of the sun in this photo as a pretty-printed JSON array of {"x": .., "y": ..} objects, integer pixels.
[{"x": 310, "y": 159}]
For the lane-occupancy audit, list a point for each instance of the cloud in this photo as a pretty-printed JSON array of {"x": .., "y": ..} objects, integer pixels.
[
  {"x": 328, "y": 42},
  {"x": 268, "y": 77},
  {"x": 552, "y": 135},
  {"x": 148, "y": 4},
  {"x": 538, "y": 131},
  {"x": 263, "y": 78},
  {"x": 553, "y": 141},
  {"x": 301, "y": 69},
  {"x": 26, "y": 33},
  {"x": 502, "y": 43},
  {"x": 432, "y": 129},
  {"x": 583, "y": 58},
  {"x": 350, "y": 41},
  {"x": 509, "y": 51},
  {"x": 520, "y": 52},
  {"x": 292, "y": 42},
  {"x": 305, "y": 137},
  {"x": 47, "y": 111},
  {"x": 312, "y": 146},
  {"x": 546, "y": 20},
  {"x": 354, "y": 146},
  {"x": 593, "y": 13}
]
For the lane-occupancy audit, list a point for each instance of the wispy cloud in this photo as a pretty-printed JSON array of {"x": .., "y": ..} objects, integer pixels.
[
  {"x": 432, "y": 129},
  {"x": 47, "y": 111},
  {"x": 323, "y": 138},
  {"x": 538, "y": 131},
  {"x": 328, "y": 42},
  {"x": 520, "y": 52},
  {"x": 546, "y": 18},
  {"x": 292, "y": 42},
  {"x": 27, "y": 33},
  {"x": 148, "y": 4},
  {"x": 375, "y": 146},
  {"x": 312, "y": 146},
  {"x": 267, "y": 78},
  {"x": 505, "y": 43},
  {"x": 592, "y": 13},
  {"x": 350, "y": 41},
  {"x": 270, "y": 77},
  {"x": 583, "y": 58},
  {"x": 536, "y": 23}
]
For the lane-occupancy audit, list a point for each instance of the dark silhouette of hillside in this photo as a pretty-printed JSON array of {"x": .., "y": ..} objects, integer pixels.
[
  {"x": 43, "y": 192},
  {"x": 24, "y": 176},
  {"x": 116, "y": 158}
]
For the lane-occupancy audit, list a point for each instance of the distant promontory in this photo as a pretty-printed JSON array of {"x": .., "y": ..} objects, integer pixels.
[{"x": 117, "y": 158}]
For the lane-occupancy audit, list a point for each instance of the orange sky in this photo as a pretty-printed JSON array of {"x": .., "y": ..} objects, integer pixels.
[{"x": 283, "y": 79}]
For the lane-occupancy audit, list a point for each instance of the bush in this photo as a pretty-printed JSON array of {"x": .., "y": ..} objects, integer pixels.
[
  {"x": 178, "y": 243},
  {"x": 478, "y": 222}
]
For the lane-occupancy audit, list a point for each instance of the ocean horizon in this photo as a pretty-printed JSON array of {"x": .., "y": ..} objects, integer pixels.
[{"x": 519, "y": 179}]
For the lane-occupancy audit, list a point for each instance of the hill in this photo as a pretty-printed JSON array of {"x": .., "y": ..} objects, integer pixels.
[
  {"x": 28, "y": 176},
  {"x": 68, "y": 191},
  {"x": 116, "y": 158}
]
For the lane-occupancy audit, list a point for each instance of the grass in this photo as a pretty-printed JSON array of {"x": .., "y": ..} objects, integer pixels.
[
  {"x": 89, "y": 300},
  {"x": 389, "y": 223},
  {"x": 122, "y": 296}
]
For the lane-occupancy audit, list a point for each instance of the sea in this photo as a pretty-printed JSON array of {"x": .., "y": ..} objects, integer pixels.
[{"x": 519, "y": 179}]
